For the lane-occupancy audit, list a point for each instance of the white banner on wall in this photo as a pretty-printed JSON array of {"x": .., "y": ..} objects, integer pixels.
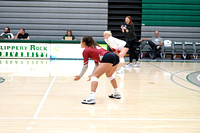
[
  {"x": 24, "y": 50},
  {"x": 66, "y": 51},
  {"x": 42, "y": 50}
]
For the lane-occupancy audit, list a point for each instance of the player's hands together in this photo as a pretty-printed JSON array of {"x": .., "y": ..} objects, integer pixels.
[
  {"x": 122, "y": 27},
  {"x": 89, "y": 77},
  {"x": 126, "y": 29},
  {"x": 77, "y": 77}
]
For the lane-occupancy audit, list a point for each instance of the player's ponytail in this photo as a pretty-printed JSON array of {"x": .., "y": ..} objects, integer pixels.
[{"x": 89, "y": 41}]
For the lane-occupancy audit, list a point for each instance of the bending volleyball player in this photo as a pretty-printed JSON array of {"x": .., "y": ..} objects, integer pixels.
[
  {"x": 118, "y": 46},
  {"x": 105, "y": 62}
]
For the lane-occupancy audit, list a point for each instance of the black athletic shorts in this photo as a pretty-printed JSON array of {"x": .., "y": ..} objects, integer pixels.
[{"x": 110, "y": 58}]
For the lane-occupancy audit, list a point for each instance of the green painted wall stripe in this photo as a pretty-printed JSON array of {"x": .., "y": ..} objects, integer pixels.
[
  {"x": 172, "y": 1},
  {"x": 170, "y": 12},
  {"x": 171, "y": 23},
  {"x": 170, "y": 18},
  {"x": 170, "y": 6}
]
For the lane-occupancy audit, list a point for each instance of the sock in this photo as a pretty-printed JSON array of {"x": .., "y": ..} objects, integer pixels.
[
  {"x": 92, "y": 95},
  {"x": 116, "y": 91}
]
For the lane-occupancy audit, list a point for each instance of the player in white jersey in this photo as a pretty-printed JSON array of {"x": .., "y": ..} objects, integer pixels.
[{"x": 118, "y": 46}]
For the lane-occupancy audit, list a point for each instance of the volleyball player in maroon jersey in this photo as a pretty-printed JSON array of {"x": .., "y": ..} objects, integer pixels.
[{"x": 105, "y": 62}]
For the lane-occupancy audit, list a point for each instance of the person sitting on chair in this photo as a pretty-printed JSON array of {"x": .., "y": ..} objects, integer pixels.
[
  {"x": 22, "y": 35},
  {"x": 7, "y": 34},
  {"x": 155, "y": 43},
  {"x": 69, "y": 36}
]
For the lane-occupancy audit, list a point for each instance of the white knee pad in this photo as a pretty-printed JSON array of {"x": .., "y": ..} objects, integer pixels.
[
  {"x": 121, "y": 60},
  {"x": 93, "y": 78},
  {"x": 110, "y": 78}
]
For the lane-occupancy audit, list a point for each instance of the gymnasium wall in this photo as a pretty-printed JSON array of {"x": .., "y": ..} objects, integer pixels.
[
  {"x": 118, "y": 10},
  {"x": 175, "y": 19},
  {"x": 49, "y": 19}
]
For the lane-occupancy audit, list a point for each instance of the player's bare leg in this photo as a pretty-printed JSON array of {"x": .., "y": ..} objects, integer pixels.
[
  {"x": 122, "y": 61},
  {"x": 113, "y": 81},
  {"x": 100, "y": 70}
]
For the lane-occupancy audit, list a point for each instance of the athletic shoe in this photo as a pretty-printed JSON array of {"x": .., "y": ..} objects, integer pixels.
[
  {"x": 88, "y": 101},
  {"x": 120, "y": 71},
  {"x": 129, "y": 65},
  {"x": 136, "y": 64},
  {"x": 116, "y": 96}
]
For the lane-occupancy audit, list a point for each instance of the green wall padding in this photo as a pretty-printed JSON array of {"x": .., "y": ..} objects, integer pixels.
[
  {"x": 172, "y": 1},
  {"x": 171, "y": 13}
]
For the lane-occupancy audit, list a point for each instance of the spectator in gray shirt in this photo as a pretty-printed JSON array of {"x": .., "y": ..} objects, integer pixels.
[{"x": 155, "y": 42}]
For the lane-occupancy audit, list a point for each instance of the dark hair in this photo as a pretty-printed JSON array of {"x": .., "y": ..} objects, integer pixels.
[
  {"x": 69, "y": 31},
  {"x": 89, "y": 41},
  {"x": 131, "y": 21},
  {"x": 8, "y": 28},
  {"x": 22, "y": 29}
]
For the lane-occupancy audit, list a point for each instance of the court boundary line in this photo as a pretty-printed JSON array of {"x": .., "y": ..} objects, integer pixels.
[
  {"x": 174, "y": 74},
  {"x": 172, "y": 79},
  {"x": 44, "y": 99},
  {"x": 108, "y": 119},
  {"x": 187, "y": 77}
]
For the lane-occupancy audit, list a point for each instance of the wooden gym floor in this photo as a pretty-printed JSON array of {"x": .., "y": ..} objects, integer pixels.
[{"x": 40, "y": 96}]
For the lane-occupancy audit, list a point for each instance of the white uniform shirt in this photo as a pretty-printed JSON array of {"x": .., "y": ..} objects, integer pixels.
[{"x": 115, "y": 43}]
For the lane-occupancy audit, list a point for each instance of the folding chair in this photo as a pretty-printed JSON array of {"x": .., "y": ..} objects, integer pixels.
[
  {"x": 197, "y": 49},
  {"x": 189, "y": 48},
  {"x": 166, "y": 49},
  {"x": 178, "y": 49},
  {"x": 145, "y": 49}
]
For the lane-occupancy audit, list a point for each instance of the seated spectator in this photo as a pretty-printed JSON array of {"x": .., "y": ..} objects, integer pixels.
[
  {"x": 155, "y": 43},
  {"x": 7, "y": 34},
  {"x": 22, "y": 35},
  {"x": 69, "y": 36}
]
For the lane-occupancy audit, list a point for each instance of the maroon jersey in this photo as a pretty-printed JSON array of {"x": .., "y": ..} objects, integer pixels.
[{"x": 95, "y": 54}]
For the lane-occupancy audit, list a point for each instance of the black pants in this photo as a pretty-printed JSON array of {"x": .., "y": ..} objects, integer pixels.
[
  {"x": 133, "y": 54},
  {"x": 154, "y": 50}
]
